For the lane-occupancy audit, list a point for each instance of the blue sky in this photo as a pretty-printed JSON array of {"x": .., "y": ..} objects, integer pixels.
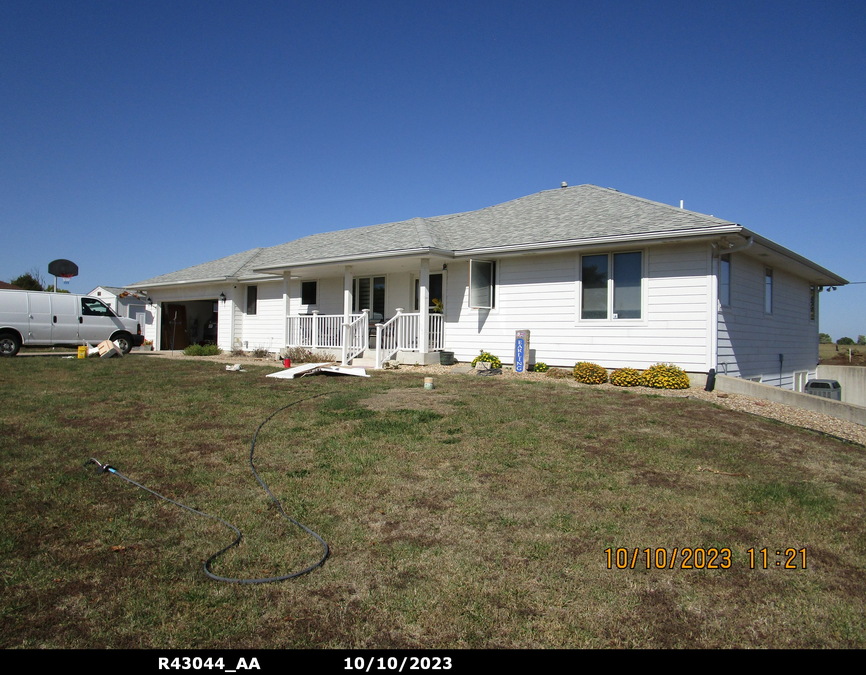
[{"x": 138, "y": 138}]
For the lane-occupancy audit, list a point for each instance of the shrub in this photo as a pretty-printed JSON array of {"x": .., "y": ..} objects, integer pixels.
[
  {"x": 237, "y": 350},
  {"x": 489, "y": 358},
  {"x": 665, "y": 376},
  {"x": 260, "y": 352},
  {"x": 590, "y": 373},
  {"x": 540, "y": 367},
  {"x": 202, "y": 350},
  {"x": 557, "y": 373},
  {"x": 625, "y": 377}
]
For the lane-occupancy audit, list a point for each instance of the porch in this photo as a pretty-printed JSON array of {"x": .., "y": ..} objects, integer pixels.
[{"x": 353, "y": 336}]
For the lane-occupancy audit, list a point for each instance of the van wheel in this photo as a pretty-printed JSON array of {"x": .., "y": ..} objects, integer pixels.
[
  {"x": 9, "y": 344},
  {"x": 124, "y": 341}
]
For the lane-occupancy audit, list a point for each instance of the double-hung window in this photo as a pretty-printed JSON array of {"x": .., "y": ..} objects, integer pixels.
[
  {"x": 252, "y": 300},
  {"x": 611, "y": 286},
  {"x": 725, "y": 279},
  {"x": 482, "y": 284},
  {"x": 309, "y": 293},
  {"x": 768, "y": 290}
]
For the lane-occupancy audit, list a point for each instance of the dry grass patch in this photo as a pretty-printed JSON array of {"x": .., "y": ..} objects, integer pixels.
[{"x": 475, "y": 515}]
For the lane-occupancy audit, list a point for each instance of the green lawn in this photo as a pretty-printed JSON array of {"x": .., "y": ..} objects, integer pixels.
[{"x": 474, "y": 515}]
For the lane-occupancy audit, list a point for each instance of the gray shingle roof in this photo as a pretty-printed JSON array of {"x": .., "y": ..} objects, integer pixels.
[
  {"x": 236, "y": 265},
  {"x": 561, "y": 215}
]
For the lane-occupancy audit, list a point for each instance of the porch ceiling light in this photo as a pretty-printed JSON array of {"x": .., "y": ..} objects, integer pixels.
[{"x": 222, "y": 297}]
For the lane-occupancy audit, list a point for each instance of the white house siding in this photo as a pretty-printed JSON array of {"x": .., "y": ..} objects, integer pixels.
[
  {"x": 751, "y": 340},
  {"x": 540, "y": 293},
  {"x": 264, "y": 329}
]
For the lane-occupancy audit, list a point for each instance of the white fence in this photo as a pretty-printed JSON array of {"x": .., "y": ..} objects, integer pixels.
[
  {"x": 317, "y": 331},
  {"x": 326, "y": 331}
]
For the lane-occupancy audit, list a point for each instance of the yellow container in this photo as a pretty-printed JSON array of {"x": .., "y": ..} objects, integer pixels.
[{"x": 82, "y": 352}]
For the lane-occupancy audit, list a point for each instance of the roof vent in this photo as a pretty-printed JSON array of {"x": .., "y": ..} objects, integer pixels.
[{"x": 564, "y": 184}]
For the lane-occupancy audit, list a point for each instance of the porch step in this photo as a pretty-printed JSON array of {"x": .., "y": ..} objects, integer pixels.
[{"x": 364, "y": 362}]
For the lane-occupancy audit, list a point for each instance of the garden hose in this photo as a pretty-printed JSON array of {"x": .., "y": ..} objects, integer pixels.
[{"x": 106, "y": 468}]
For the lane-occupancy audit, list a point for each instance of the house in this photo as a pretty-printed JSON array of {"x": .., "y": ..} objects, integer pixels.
[
  {"x": 124, "y": 302},
  {"x": 592, "y": 273}
]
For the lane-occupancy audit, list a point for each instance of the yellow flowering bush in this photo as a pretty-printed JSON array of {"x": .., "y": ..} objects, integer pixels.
[
  {"x": 540, "y": 367},
  {"x": 665, "y": 376},
  {"x": 590, "y": 373},
  {"x": 489, "y": 358},
  {"x": 625, "y": 377}
]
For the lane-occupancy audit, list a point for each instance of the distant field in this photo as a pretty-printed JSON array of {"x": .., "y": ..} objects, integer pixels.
[
  {"x": 830, "y": 353},
  {"x": 487, "y": 513}
]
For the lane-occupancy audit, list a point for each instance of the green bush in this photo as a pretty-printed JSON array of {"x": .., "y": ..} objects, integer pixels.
[
  {"x": 625, "y": 377},
  {"x": 590, "y": 373},
  {"x": 665, "y": 376},
  {"x": 540, "y": 367},
  {"x": 489, "y": 358},
  {"x": 202, "y": 350}
]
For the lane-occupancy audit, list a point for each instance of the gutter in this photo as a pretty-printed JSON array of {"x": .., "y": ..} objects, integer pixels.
[
  {"x": 670, "y": 236},
  {"x": 424, "y": 251}
]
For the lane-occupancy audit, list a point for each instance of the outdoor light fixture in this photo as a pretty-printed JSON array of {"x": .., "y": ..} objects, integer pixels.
[
  {"x": 222, "y": 297},
  {"x": 150, "y": 301}
]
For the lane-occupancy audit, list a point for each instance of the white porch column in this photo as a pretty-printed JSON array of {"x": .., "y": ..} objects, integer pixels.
[
  {"x": 347, "y": 313},
  {"x": 347, "y": 294},
  {"x": 424, "y": 307},
  {"x": 287, "y": 276}
]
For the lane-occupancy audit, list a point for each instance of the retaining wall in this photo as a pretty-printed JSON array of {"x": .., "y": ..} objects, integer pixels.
[
  {"x": 840, "y": 410},
  {"x": 852, "y": 379}
]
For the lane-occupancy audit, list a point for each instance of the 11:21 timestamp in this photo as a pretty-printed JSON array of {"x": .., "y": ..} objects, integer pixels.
[{"x": 789, "y": 558}]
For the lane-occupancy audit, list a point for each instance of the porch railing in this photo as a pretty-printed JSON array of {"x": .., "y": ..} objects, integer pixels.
[
  {"x": 327, "y": 331},
  {"x": 356, "y": 337},
  {"x": 401, "y": 334},
  {"x": 317, "y": 331}
]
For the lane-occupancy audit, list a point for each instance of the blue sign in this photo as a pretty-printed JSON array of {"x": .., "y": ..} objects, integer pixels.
[{"x": 520, "y": 355}]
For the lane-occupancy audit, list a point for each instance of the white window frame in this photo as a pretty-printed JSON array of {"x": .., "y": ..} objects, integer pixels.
[
  {"x": 725, "y": 301},
  {"x": 494, "y": 274},
  {"x": 255, "y": 303},
  {"x": 768, "y": 290},
  {"x": 611, "y": 319},
  {"x": 309, "y": 305},
  {"x": 416, "y": 281}
]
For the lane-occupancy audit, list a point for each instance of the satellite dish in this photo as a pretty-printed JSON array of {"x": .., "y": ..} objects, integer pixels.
[{"x": 63, "y": 268}]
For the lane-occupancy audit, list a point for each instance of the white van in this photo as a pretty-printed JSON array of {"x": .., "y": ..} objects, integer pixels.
[{"x": 39, "y": 318}]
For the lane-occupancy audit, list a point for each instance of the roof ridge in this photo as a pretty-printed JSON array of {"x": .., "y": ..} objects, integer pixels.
[
  {"x": 655, "y": 203},
  {"x": 255, "y": 252}
]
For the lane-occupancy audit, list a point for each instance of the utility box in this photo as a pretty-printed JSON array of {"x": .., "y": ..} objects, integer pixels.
[
  {"x": 825, "y": 388},
  {"x": 521, "y": 351}
]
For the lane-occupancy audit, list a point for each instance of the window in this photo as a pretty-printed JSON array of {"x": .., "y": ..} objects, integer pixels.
[
  {"x": 768, "y": 290},
  {"x": 369, "y": 293},
  {"x": 252, "y": 299},
  {"x": 482, "y": 284},
  {"x": 611, "y": 286},
  {"x": 435, "y": 296},
  {"x": 725, "y": 279},
  {"x": 309, "y": 291},
  {"x": 93, "y": 307},
  {"x": 813, "y": 302}
]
